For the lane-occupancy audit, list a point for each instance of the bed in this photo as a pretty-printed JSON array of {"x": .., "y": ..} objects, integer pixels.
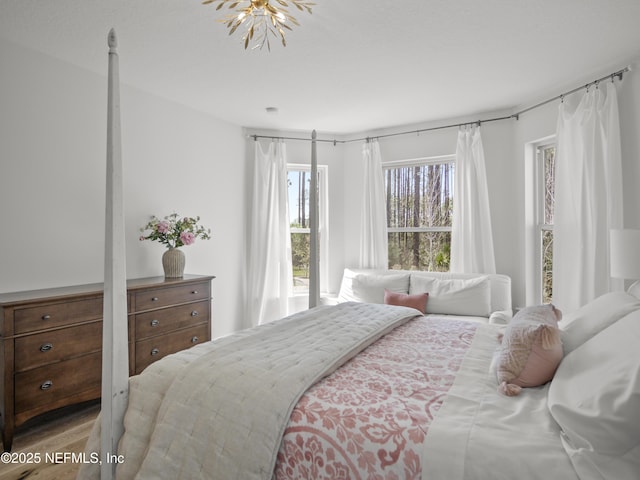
[
  {"x": 374, "y": 391},
  {"x": 370, "y": 390}
]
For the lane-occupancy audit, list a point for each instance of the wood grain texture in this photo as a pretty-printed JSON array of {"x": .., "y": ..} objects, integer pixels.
[
  {"x": 65, "y": 431},
  {"x": 59, "y": 362}
]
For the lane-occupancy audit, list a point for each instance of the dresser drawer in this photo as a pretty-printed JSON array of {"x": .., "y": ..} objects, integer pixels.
[
  {"x": 53, "y": 383},
  {"x": 162, "y": 297},
  {"x": 158, "y": 322},
  {"x": 152, "y": 349},
  {"x": 51, "y": 340},
  {"x": 57, "y": 345},
  {"x": 56, "y": 315}
]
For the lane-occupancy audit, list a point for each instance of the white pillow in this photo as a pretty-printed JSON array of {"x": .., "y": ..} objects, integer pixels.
[
  {"x": 456, "y": 296},
  {"x": 595, "y": 398},
  {"x": 370, "y": 287},
  {"x": 579, "y": 326}
]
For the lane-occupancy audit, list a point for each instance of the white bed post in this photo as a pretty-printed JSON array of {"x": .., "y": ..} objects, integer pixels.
[
  {"x": 314, "y": 270},
  {"x": 115, "y": 353}
]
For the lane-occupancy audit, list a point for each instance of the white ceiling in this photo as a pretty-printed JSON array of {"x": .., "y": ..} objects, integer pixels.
[{"x": 352, "y": 66}]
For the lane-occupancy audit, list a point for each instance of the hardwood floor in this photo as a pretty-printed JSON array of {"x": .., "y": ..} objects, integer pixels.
[{"x": 63, "y": 431}]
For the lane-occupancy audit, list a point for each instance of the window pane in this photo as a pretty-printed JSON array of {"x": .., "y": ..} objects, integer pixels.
[
  {"x": 298, "y": 198},
  {"x": 548, "y": 158},
  {"x": 420, "y": 197},
  {"x": 549, "y": 162},
  {"x": 299, "y": 181},
  {"x": 300, "y": 260},
  {"x": 547, "y": 266},
  {"x": 299, "y": 186},
  {"x": 420, "y": 251}
]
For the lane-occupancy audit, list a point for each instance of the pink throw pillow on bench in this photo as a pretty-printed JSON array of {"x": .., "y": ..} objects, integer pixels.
[{"x": 417, "y": 300}]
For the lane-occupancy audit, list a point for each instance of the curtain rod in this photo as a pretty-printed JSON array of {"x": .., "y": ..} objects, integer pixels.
[
  {"x": 516, "y": 116},
  {"x": 611, "y": 76},
  {"x": 256, "y": 137}
]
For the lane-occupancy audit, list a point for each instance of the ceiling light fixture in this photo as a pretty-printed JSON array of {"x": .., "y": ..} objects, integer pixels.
[{"x": 261, "y": 18}]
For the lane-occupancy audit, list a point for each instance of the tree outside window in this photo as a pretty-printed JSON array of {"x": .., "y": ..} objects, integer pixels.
[
  {"x": 299, "y": 183},
  {"x": 547, "y": 158},
  {"x": 419, "y": 208}
]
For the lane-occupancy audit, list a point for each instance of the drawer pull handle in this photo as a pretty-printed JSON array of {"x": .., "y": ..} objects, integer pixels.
[
  {"x": 155, "y": 352},
  {"x": 154, "y": 299},
  {"x": 194, "y": 313},
  {"x": 46, "y": 317},
  {"x": 45, "y": 347},
  {"x": 155, "y": 322},
  {"x": 194, "y": 339},
  {"x": 195, "y": 292},
  {"x": 46, "y": 385}
]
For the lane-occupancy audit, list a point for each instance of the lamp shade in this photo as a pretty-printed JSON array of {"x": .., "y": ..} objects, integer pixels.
[{"x": 625, "y": 253}]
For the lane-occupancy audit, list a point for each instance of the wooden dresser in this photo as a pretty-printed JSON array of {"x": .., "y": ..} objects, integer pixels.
[{"x": 51, "y": 340}]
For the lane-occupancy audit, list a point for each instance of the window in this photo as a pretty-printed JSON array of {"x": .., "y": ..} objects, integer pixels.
[
  {"x": 299, "y": 182},
  {"x": 546, "y": 157},
  {"x": 419, "y": 207}
]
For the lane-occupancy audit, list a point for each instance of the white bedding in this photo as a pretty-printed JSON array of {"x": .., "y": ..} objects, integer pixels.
[
  {"x": 182, "y": 410},
  {"x": 207, "y": 417},
  {"x": 479, "y": 434}
]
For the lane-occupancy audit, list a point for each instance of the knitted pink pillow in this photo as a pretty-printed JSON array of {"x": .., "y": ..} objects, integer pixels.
[
  {"x": 531, "y": 349},
  {"x": 417, "y": 301}
]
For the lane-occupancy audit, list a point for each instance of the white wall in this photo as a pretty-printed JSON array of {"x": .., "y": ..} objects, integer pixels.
[
  {"x": 540, "y": 123},
  {"x": 52, "y": 154},
  {"x": 504, "y": 146},
  {"x": 500, "y": 164},
  {"x": 52, "y": 180},
  {"x": 345, "y": 174}
]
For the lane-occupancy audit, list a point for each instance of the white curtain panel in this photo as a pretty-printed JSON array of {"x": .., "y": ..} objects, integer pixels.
[
  {"x": 374, "y": 251},
  {"x": 471, "y": 235},
  {"x": 588, "y": 197},
  {"x": 270, "y": 273}
]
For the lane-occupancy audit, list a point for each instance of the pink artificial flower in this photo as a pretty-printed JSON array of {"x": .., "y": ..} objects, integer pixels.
[
  {"x": 142, "y": 238},
  {"x": 187, "y": 238},
  {"x": 163, "y": 227}
]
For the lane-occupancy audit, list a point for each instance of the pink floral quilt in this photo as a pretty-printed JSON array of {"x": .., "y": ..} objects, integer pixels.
[{"x": 369, "y": 418}]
